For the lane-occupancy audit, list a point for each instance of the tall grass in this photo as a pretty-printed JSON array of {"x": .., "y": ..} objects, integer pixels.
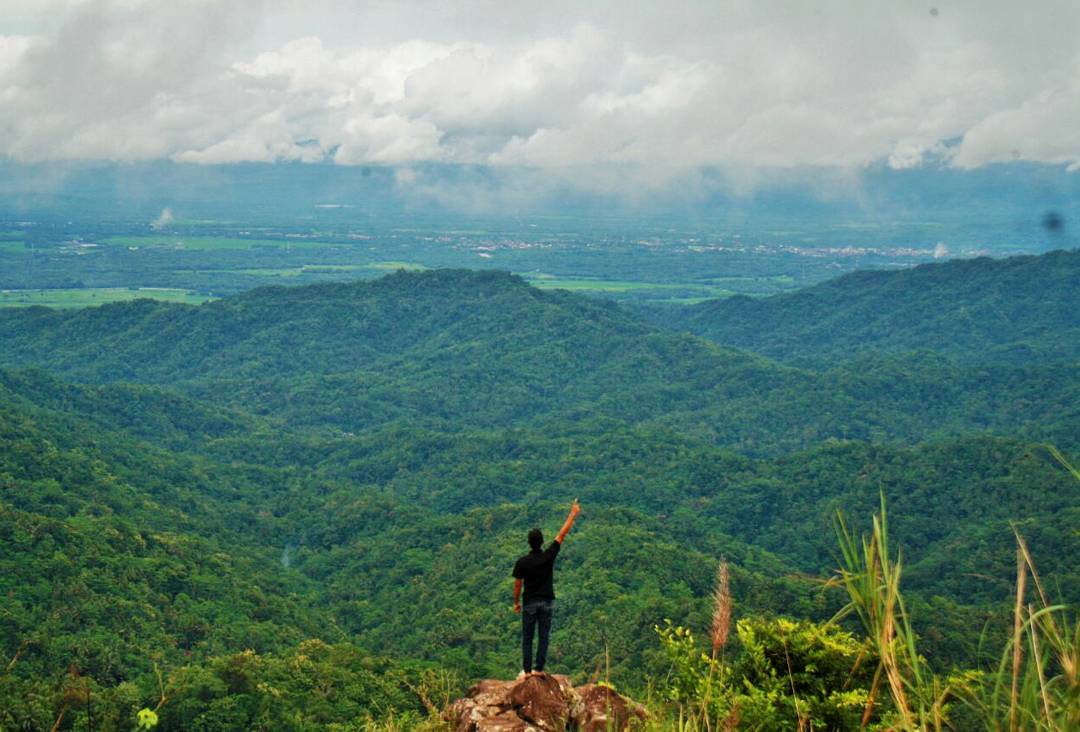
[
  {"x": 1037, "y": 682},
  {"x": 1036, "y": 685},
  {"x": 871, "y": 577}
]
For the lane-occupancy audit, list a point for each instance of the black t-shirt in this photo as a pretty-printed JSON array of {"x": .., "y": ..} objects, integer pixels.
[{"x": 536, "y": 569}]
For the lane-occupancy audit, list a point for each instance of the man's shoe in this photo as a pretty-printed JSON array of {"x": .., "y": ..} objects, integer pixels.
[{"x": 524, "y": 674}]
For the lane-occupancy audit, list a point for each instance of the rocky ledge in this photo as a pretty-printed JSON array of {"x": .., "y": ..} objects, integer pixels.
[{"x": 542, "y": 703}]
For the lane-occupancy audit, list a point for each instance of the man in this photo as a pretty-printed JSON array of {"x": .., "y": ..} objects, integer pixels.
[{"x": 534, "y": 571}]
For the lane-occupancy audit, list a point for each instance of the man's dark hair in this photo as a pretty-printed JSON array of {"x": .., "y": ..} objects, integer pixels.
[{"x": 536, "y": 539}]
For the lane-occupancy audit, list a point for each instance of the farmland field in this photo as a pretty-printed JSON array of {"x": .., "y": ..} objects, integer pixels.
[
  {"x": 675, "y": 291},
  {"x": 88, "y": 296}
]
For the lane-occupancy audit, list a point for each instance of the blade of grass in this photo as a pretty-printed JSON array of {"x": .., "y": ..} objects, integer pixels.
[{"x": 1017, "y": 639}]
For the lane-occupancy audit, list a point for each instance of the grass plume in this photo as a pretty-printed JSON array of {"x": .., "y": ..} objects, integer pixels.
[{"x": 721, "y": 617}]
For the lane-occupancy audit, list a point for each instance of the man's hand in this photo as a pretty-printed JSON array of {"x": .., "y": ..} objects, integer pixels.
[
  {"x": 575, "y": 509},
  {"x": 517, "y": 607}
]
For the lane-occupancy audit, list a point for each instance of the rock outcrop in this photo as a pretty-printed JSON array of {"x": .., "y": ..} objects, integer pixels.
[{"x": 542, "y": 703}]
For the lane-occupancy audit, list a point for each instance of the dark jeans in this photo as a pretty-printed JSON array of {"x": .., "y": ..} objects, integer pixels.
[{"x": 537, "y": 612}]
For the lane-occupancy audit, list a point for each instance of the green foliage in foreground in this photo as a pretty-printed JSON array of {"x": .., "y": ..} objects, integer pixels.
[
  {"x": 312, "y": 686},
  {"x": 787, "y": 675},
  {"x": 798, "y": 675}
]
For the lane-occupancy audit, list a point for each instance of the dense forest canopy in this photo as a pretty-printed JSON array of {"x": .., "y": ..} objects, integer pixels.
[
  {"x": 487, "y": 350},
  {"x": 1018, "y": 310},
  {"x": 341, "y": 475}
]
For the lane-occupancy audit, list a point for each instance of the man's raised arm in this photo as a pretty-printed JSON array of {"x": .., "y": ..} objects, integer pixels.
[{"x": 575, "y": 509}]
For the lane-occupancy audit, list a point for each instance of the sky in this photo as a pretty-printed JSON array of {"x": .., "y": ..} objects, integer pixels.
[{"x": 603, "y": 92}]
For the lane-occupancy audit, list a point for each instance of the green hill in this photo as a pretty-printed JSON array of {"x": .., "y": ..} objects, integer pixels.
[
  {"x": 483, "y": 350},
  {"x": 1014, "y": 310},
  {"x": 317, "y": 329}
]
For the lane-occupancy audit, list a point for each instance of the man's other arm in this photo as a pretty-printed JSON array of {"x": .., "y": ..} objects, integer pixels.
[
  {"x": 575, "y": 509},
  {"x": 517, "y": 595}
]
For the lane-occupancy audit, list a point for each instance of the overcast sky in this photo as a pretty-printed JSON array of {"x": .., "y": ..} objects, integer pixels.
[{"x": 664, "y": 87}]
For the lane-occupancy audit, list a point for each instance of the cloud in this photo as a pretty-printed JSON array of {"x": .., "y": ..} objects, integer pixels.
[
  {"x": 123, "y": 81},
  {"x": 596, "y": 94},
  {"x": 1043, "y": 128}
]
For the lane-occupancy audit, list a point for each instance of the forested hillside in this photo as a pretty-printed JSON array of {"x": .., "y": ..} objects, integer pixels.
[
  {"x": 1015, "y": 310},
  {"x": 455, "y": 348},
  {"x": 318, "y": 492}
]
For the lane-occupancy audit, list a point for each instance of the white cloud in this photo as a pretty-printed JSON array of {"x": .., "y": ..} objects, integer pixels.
[
  {"x": 1045, "y": 127},
  {"x": 388, "y": 139},
  {"x": 12, "y": 50},
  {"x": 661, "y": 89}
]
